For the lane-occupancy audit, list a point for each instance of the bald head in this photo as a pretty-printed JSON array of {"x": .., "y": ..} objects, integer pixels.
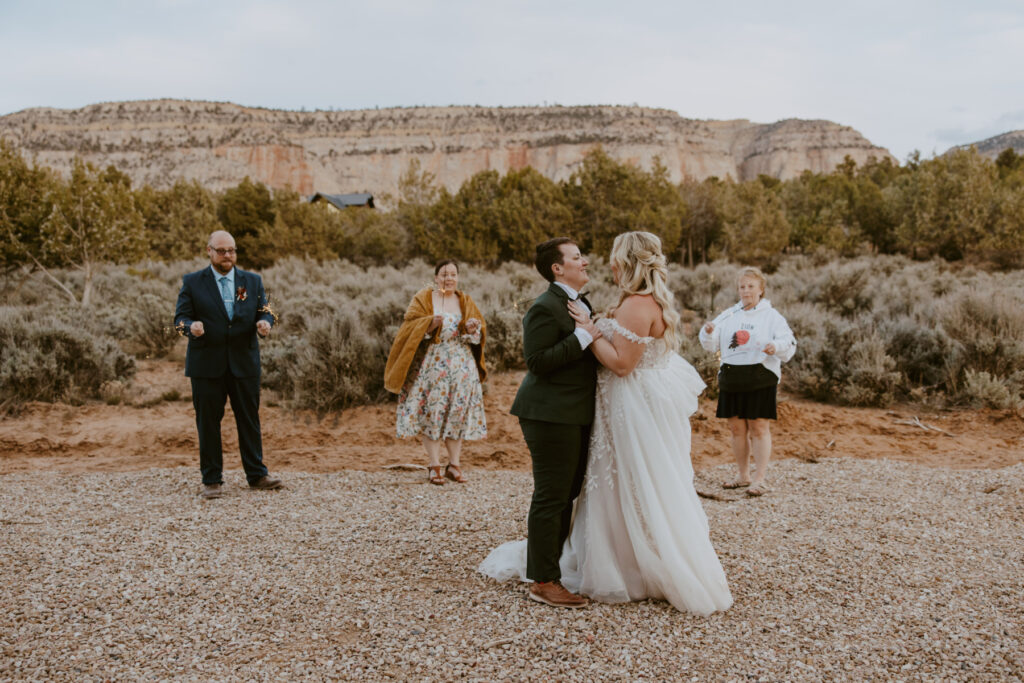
[
  {"x": 221, "y": 249},
  {"x": 220, "y": 235}
]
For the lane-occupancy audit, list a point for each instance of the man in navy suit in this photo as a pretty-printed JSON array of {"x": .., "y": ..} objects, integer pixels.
[{"x": 223, "y": 310}]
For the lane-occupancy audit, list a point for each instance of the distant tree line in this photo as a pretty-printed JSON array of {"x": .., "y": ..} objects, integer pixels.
[{"x": 957, "y": 206}]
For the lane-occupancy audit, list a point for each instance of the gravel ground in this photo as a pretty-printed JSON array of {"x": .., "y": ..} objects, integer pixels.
[{"x": 848, "y": 570}]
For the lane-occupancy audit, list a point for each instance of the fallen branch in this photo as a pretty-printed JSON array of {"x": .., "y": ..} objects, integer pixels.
[
  {"x": 916, "y": 422},
  {"x": 404, "y": 466}
]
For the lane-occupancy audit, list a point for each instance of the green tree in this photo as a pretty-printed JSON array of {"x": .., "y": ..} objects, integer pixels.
[
  {"x": 417, "y": 194},
  {"x": 871, "y": 211},
  {"x": 24, "y": 206},
  {"x": 178, "y": 220},
  {"x": 818, "y": 209},
  {"x": 1003, "y": 243},
  {"x": 94, "y": 220},
  {"x": 607, "y": 198},
  {"x": 702, "y": 224},
  {"x": 465, "y": 221},
  {"x": 1009, "y": 162},
  {"x": 946, "y": 206},
  {"x": 247, "y": 211},
  {"x": 754, "y": 225},
  {"x": 531, "y": 208}
]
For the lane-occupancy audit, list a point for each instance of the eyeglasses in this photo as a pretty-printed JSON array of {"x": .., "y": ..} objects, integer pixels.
[{"x": 225, "y": 252}]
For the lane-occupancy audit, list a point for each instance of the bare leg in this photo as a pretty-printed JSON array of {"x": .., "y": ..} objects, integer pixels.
[
  {"x": 740, "y": 449},
  {"x": 454, "y": 447},
  {"x": 454, "y": 470},
  {"x": 761, "y": 447},
  {"x": 433, "y": 447}
]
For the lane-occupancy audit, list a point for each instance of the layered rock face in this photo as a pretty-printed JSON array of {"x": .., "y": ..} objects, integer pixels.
[
  {"x": 992, "y": 147},
  {"x": 159, "y": 141}
]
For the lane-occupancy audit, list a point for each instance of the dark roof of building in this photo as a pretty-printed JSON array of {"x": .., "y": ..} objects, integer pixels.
[{"x": 343, "y": 200}]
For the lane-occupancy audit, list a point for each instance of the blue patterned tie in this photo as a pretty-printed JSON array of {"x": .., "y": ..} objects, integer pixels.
[{"x": 225, "y": 293}]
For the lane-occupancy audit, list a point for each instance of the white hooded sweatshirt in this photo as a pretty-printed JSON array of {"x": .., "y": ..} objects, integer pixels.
[{"x": 741, "y": 336}]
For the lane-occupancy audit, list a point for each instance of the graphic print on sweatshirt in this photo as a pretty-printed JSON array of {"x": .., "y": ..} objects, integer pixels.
[{"x": 740, "y": 336}]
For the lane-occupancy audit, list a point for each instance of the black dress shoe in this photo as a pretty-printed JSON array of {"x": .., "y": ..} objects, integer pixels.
[
  {"x": 211, "y": 491},
  {"x": 265, "y": 483}
]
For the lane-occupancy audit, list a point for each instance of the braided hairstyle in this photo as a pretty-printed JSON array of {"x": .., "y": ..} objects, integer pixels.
[{"x": 642, "y": 270}]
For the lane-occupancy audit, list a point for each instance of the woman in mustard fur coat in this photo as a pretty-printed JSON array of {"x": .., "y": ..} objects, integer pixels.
[{"x": 436, "y": 365}]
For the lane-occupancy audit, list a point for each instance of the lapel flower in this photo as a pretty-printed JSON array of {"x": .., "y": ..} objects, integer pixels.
[{"x": 240, "y": 294}]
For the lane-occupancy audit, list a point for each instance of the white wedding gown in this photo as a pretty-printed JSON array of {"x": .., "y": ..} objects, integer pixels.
[{"x": 639, "y": 529}]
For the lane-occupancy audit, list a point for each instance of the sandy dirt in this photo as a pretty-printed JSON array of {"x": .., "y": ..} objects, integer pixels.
[{"x": 149, "y": 431}]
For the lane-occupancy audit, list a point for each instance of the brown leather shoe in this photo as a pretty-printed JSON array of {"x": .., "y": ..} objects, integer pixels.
[
  {"x": 265, "y": 483},
  {"x": 554, "y": 594},
  {"x": 211, "y": 491}
]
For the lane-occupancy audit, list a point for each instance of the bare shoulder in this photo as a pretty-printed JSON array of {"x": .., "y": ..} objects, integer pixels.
[{"x": 638, "y": 314}]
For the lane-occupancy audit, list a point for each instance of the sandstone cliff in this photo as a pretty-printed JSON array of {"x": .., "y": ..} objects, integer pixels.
[
  {"x": 991, "y": 147},
  {"x": 216, "y": 143}
]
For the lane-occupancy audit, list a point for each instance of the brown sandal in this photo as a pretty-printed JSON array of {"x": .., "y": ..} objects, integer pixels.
[
  {"x": 454, "y": 473},
  {"x": 434, "y": 475}
]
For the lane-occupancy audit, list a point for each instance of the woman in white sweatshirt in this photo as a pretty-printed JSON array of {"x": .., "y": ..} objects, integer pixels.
[{"x": 754, "y": 340}]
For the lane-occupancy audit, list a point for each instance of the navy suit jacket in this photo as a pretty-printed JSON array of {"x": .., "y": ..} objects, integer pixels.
[{"x": 226, "y": 345}]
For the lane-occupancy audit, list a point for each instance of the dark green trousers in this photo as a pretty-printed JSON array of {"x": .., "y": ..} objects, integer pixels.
[{"x": 559, "y": 454}]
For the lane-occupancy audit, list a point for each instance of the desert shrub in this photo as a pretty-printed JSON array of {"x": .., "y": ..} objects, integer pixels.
[
  {"x": 923, "y": 353},
  {"x": 869, "y": 330},
  {"x": 988, "y": 325},
  {"x": 334, "y": 365},
  {"x": 982, "y": 390},
  {"x": 705, "y": 363},
  {"x": 842, "y": 288},
  {"x": 841, "y": 361},
  {"x": 53, "y": 361},
  {"x": 504, "y": 348}
]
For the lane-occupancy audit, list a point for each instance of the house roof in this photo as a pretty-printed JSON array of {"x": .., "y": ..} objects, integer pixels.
[{"x": 343, "y": 200}]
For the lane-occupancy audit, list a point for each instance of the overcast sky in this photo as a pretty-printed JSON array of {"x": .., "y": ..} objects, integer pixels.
[{"x": 914, "y": 74}]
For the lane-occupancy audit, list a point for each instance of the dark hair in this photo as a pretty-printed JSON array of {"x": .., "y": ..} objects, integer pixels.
[
  {"x": 444, "y": 262},
  {"x": 548, "y": 254}
]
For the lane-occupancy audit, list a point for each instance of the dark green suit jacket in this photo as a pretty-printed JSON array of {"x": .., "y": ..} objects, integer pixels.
[{"x": 562, "y": 377}]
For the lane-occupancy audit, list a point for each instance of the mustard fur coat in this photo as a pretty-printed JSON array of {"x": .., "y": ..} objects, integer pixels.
[{"x": 414, "y": 327}]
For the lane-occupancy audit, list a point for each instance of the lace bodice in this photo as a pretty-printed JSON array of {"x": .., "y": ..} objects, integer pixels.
[{"x": 656, "y": 351}]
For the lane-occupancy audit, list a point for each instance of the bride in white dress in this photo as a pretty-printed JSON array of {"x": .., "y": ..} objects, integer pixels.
[{"x": 639, "y": 529}]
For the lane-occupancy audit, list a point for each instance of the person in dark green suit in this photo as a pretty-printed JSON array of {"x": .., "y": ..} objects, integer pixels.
[{"x": 555, "y": 407}]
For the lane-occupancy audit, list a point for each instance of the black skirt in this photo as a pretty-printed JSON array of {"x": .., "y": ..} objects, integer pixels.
[{"x": 756, "y": 404}]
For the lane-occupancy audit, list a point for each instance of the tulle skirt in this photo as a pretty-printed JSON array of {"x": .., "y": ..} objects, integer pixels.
[{"x": 640, "y": 530}]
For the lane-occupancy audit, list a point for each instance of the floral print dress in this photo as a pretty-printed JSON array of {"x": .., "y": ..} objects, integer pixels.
[{"x": 443, "y": 399}]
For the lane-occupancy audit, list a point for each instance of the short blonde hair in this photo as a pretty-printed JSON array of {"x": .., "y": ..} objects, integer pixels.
[{"x": 751, "y": 271}]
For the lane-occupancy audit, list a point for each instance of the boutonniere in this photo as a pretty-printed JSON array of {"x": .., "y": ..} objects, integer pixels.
[{"x": 240, "y": 294}]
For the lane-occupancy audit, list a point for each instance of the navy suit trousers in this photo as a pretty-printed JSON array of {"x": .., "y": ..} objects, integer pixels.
[{"x": 209, "y": 395}]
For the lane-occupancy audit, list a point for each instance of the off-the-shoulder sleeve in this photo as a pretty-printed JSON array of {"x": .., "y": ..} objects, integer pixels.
[{"x": 610, "y": 327}]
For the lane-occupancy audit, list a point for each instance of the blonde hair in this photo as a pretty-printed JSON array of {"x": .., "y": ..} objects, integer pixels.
[
  {"x": 751, "y": 271},
  {"x": 642, "y": 270}
]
